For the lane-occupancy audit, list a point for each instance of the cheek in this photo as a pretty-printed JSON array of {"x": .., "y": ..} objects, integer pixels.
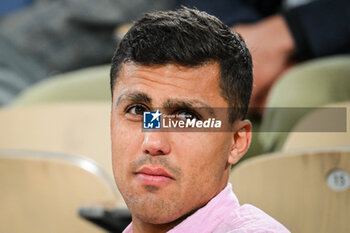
[
  {"x": 125, "y": 145},
  {"x": 202, "y": 160},
  {"x": 202, "y": 155}
]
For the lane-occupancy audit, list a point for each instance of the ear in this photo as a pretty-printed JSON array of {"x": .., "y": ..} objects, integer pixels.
[{"x": 242, "y": 136}]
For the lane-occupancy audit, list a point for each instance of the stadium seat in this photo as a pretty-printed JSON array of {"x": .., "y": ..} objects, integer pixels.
[
  {"x": 332, "y": 117},
  {"x": 307, "y": 191},
  {"x": 89, "y": 84},
  {"x": 42, "y": 192},
  {"x": 74, "y": 128}
]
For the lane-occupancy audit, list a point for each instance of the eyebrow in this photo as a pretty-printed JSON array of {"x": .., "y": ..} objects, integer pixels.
[
  {"x": 134, "y": 97},
  {"x": 169, "y": 103},
  {"x": 188, "y": 104}
]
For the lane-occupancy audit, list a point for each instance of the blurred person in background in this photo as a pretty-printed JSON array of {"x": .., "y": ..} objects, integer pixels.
[
  {"x": 41, "y": 38},
  {"x": 312, "y": 37}
]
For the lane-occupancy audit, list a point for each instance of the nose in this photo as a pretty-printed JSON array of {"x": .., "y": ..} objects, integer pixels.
[{"x": 155, "y": 143}]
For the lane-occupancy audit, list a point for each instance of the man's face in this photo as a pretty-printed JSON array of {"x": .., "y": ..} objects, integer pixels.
[{"x": 166, "y": 175}]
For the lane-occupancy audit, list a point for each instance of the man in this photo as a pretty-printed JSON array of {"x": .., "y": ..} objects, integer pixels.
[{"x": 182, "y": 62}]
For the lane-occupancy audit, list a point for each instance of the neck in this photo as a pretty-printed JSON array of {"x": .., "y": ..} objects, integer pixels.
[{"x": 139, "y": 226}]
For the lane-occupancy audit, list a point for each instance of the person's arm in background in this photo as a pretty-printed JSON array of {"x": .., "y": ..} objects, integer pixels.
[
  {"x": 248, "y": 16},
  {"x": 272, "y": 46}
]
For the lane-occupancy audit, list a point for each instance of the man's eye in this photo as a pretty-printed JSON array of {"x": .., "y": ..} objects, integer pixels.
[
  {"x": 184, "y": 115},
  {"x": 136, "y": 110}
]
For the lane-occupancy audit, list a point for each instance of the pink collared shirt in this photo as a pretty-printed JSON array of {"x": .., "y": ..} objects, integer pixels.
[{"x": 224, "y": 214}]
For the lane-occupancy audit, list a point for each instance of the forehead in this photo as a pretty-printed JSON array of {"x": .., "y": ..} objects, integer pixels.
[{"x": 162, "y": 82}]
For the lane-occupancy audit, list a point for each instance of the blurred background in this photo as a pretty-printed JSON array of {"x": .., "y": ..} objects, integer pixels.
[{"x": 55, "y": 165}]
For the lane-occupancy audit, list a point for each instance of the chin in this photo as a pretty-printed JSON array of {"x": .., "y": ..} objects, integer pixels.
[
  {"x": 157, "y": 218},
  {"x": 156, "y": 211}
]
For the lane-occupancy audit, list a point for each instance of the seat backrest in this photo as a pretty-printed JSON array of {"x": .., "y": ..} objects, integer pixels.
[
  {"x": 334, "y": 117},
  {"x": 41, "y": 192},
  {"x": 73, "y": 128},
  {"x": 89, "y": 84},
  {"x": 299, "y": 189}
]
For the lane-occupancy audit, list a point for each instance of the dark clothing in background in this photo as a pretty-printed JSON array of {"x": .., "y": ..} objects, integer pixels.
[
  {"x": 319, "y": 28},
  {"x": 65, "y": 35},
  {"x": 56, "y": 36},
  {"x": 9, "y": 6}
]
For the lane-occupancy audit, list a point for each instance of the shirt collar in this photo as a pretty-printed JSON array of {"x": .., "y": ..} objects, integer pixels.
[{"x": 207, "y": 218}]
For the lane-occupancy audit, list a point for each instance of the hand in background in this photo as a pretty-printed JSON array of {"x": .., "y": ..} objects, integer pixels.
[{"x": 271, "y": 46}]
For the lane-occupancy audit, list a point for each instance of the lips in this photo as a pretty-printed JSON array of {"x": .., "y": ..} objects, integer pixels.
[{"x": 155, "y": 176}]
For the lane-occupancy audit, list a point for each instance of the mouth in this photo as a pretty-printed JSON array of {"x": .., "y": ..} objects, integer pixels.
[{"x": 154, "y": 176}]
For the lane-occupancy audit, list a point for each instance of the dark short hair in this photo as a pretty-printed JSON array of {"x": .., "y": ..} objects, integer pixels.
[{"x": 189, "y": 37}]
